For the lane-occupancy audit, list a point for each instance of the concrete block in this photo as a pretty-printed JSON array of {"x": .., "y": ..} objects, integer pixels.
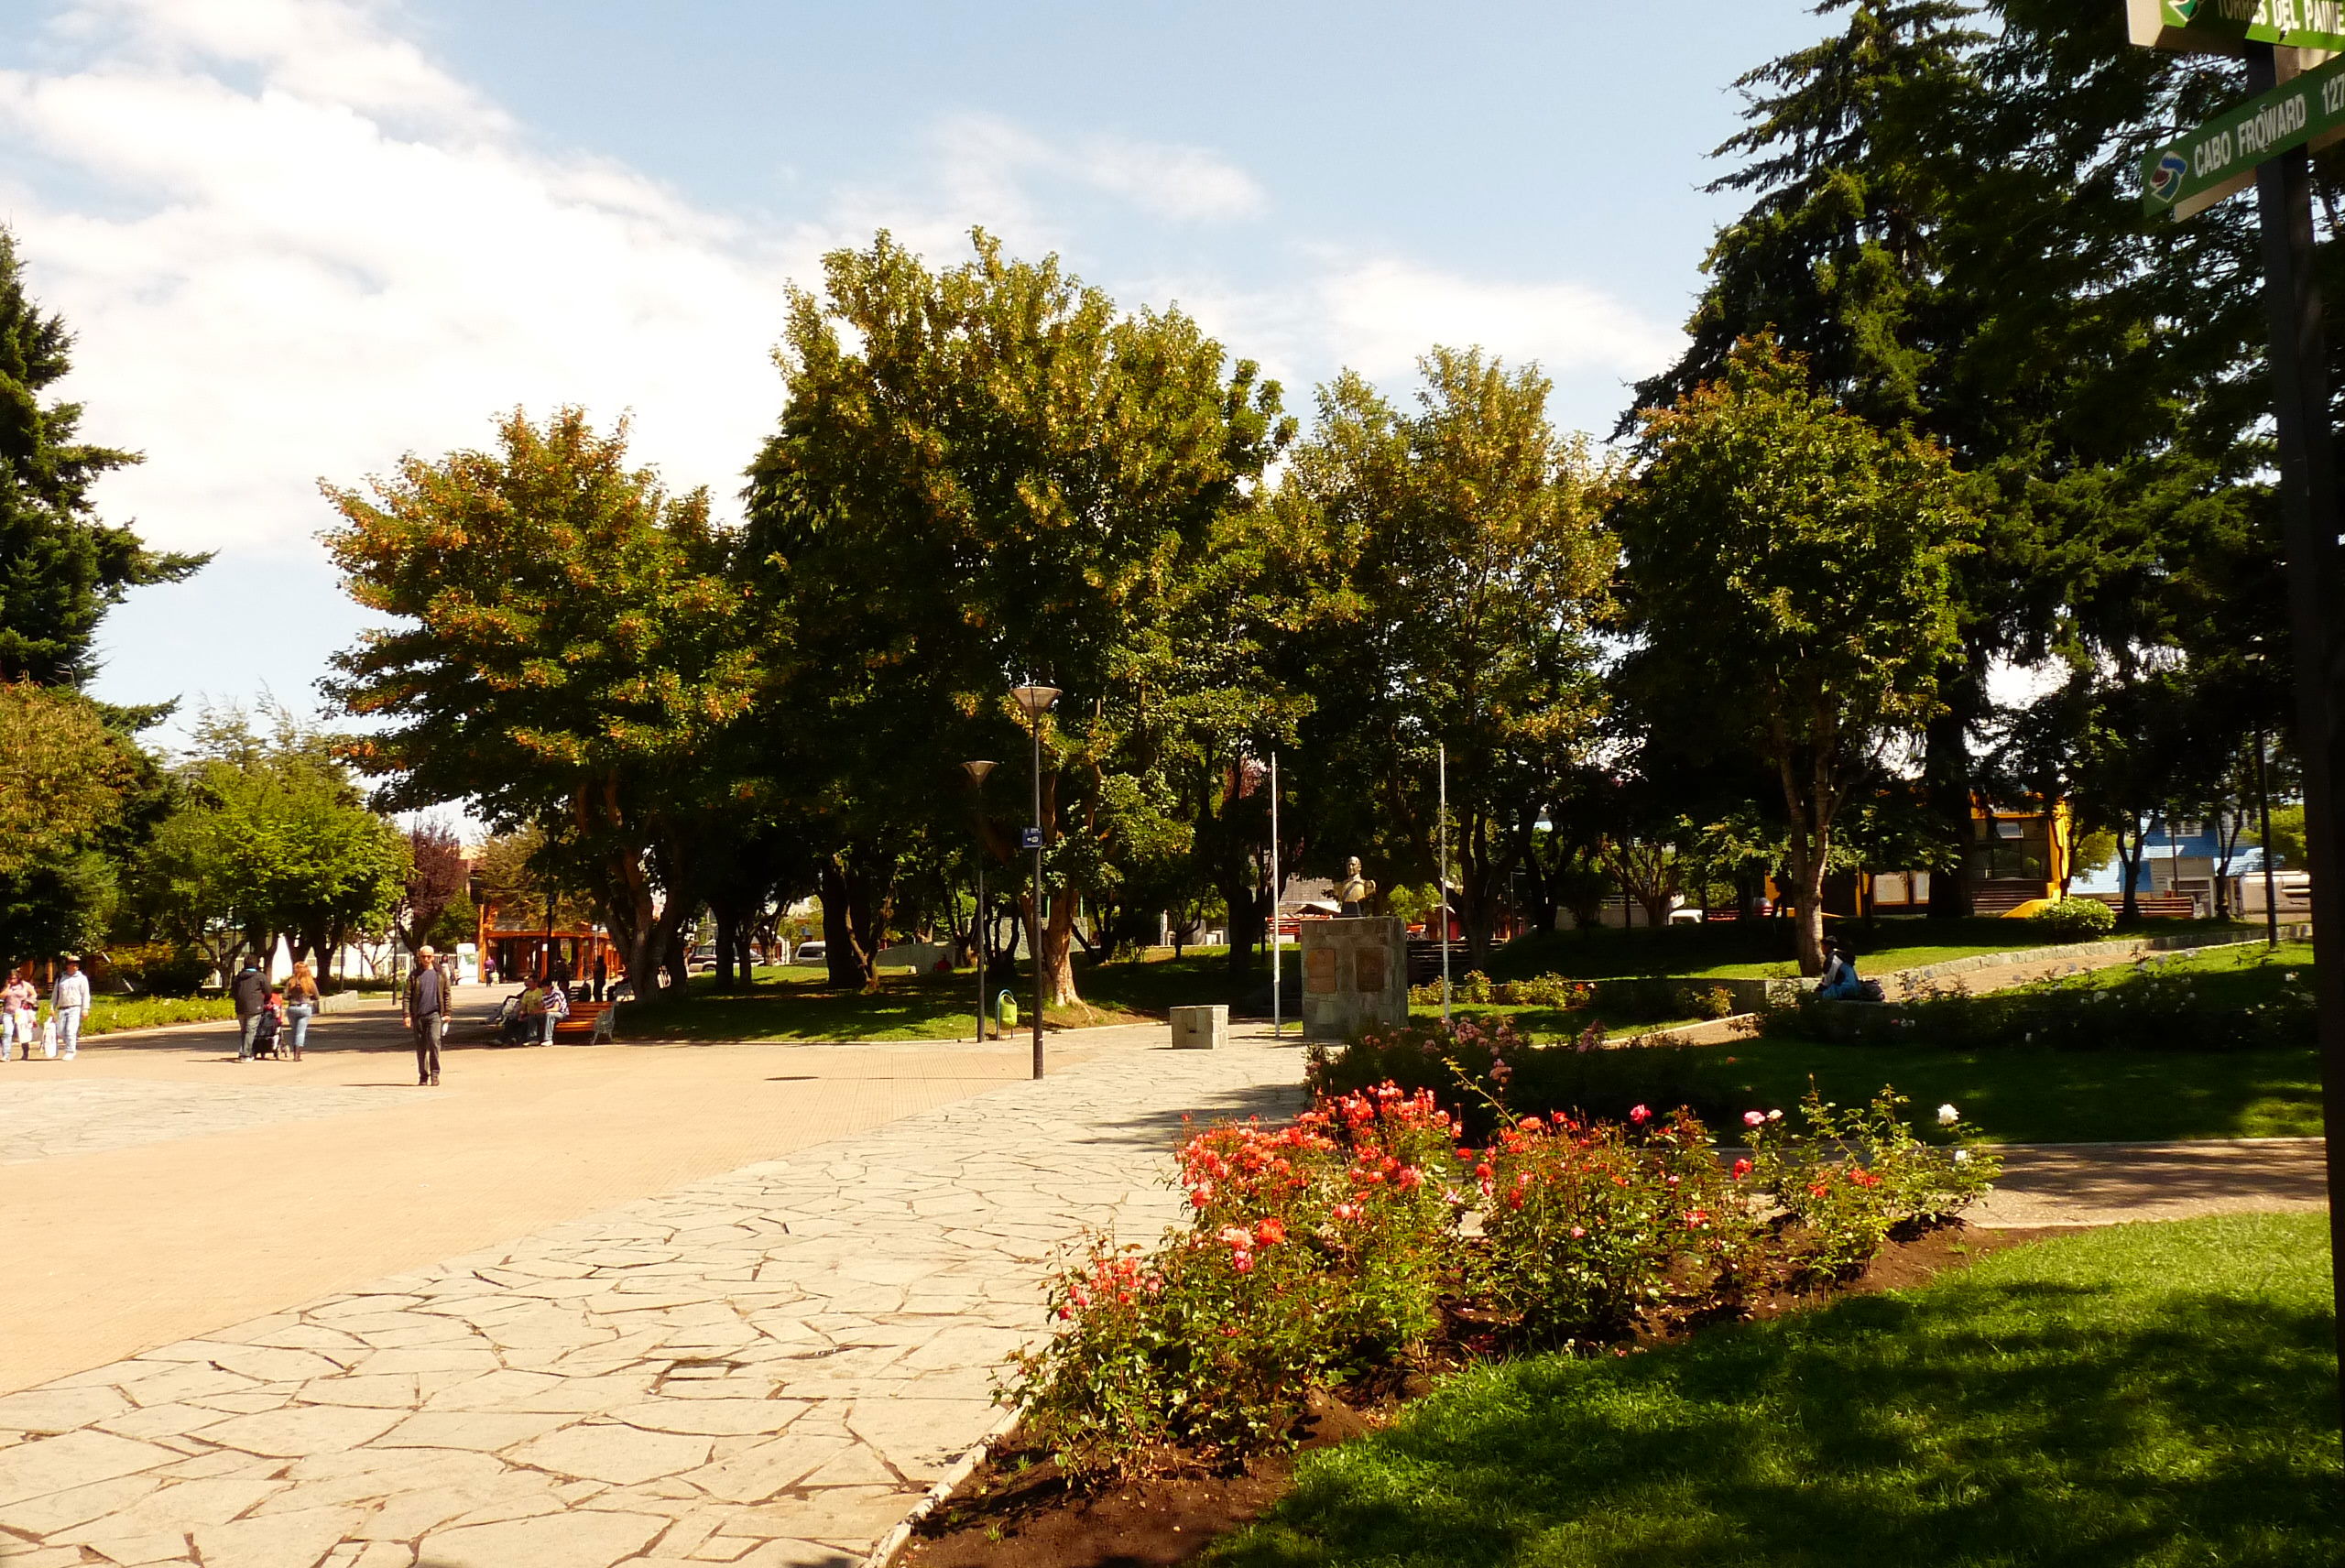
[
  {"x": 1200, "y": 1029},
  {"x": 1355, "y": 975}
]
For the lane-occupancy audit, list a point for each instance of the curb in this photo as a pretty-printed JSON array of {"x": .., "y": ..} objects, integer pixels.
[{"x": 889, "y": 1544}]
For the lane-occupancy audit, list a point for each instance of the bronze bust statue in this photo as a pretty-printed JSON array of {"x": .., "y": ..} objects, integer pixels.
[{"x": 1352, "y": 890}]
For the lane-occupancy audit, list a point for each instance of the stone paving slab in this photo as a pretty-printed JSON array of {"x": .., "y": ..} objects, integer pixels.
[
  {"x": 766, "y": 1368},
  {"x": 42, "y": 1120}
]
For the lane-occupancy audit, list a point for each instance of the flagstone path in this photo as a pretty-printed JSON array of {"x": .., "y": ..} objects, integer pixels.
[{"x": 763, "y": 1369}]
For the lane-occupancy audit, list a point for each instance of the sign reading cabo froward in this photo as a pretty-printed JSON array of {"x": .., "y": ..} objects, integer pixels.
[{"x": 2189, "y": 175}]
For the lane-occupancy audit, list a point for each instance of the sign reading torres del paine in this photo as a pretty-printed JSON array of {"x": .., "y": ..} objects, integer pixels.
[
  {"x": 2214, "y": 160},
  {"x": 2222, "y": 26}
]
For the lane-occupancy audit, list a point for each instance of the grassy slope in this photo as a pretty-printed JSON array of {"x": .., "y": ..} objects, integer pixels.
[{"x": 2143, "y": 1395}]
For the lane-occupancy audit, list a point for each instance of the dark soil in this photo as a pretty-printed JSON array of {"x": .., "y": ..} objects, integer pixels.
[{"x": 1016, "y": 1511}]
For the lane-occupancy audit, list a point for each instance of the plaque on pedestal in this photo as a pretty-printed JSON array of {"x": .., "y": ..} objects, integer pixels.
[{"x": 1355, "y": 975}]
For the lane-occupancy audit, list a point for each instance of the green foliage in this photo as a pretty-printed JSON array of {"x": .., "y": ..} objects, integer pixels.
[
  {"x": 158, "y": 968},
  {"x": 70, "y": 788},
  {"x": 569, "y": 649},
  {"x": 985, "y": 474},
  {"x": 2073, "y": 920},
  {"x": 1449, "y": 566},
  {"x": 268, "y": 837},
  {"x": 1789, "y": 571},
  {"x": 1848, "y": 1179},
  {"x": 61, "y": 568}
]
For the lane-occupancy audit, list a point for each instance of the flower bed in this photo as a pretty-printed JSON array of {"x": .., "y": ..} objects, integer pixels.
[{"x": 1367, "y": 1239}]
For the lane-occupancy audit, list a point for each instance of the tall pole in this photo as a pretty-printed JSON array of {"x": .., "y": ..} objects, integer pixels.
[
  {"x": 2309, "y": 518},
  {"x": 1041, "y": 917},
  {"x": 976, "y": 772},
  {"x": 1278, "y": 1001},
  {"x": 1443, "y": 879},
  {"x": 2270, "y": 879}
]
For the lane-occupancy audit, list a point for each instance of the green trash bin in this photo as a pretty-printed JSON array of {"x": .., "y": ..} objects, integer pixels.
[{"x": 1005, "y": 1013}]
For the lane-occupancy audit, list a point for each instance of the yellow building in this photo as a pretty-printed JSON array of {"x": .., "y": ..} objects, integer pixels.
[{"x": 2012, "y": 855}]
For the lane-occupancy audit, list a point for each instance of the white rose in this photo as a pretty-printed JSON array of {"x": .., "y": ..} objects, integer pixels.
[{"x": 1948, "y": 1115}]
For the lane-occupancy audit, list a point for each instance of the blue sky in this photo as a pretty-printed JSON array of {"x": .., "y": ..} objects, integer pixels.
[{"x": 300, "y": 237}]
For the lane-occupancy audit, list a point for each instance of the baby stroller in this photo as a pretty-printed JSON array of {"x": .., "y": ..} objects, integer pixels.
[{"x": 268, "y": 1034}]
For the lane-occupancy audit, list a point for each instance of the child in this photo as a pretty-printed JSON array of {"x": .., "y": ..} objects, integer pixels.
[{"x": 265, "y": 1033}]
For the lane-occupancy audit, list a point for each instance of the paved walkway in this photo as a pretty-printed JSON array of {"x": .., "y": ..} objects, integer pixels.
[
  {"x": 763, "y": 1367},
  {"x": 2112, "y": 1183}
]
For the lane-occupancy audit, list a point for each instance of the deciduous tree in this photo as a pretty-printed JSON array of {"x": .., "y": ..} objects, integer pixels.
[{"x": 1788, "y": 576}]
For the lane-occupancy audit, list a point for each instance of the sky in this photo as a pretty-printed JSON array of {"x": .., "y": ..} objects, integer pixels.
[{"x": 298, "y": 239}]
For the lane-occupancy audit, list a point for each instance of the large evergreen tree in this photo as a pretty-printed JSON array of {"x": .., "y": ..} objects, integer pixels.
[
  {"x": 1945, "y": 222},
  {"x": 61, "y": 568}
]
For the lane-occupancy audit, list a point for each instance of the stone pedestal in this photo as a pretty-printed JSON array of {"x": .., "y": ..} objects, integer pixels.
[
  {"x": 1200, "y": 1029},
  {"x": 1355, "y": 975}
]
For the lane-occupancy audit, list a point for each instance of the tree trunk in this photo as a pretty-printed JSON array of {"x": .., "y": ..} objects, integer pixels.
[
  {"x": 1946, "y": 785},
  {"x": 728, "y": 942},
  {"x": 1242, "y": 899},
  {"x": 1055, "y": 952},
  {"x": 849, "y": 948},
  {"x": 2129, "y": 867}
]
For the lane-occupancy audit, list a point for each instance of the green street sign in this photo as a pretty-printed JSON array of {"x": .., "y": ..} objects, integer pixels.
[
  {"x": 2218, "y": 158},
  {"x": 2226, "y": 26}
]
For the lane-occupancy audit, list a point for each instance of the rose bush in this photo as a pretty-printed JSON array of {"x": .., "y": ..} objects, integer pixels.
[{"x": 1333, "y": 1247}]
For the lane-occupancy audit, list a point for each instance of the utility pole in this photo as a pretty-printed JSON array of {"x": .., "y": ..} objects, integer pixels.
[
  {"x": 1442, "y": 764},
  {"x": 1278, "y": 889}
]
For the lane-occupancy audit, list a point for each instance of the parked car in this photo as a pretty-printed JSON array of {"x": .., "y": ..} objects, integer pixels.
[
  {"x": 810, "y": 952},
  {"x": 703, "y": 960}
]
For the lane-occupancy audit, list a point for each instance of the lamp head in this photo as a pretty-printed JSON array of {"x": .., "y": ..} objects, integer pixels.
[
  {"x": 977, "y": 771},
  {"x": 1035, "y": 699}
]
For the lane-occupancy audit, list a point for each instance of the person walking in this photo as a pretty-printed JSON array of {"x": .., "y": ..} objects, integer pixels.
[
  {"x": 427, "y": 1014},
  {"x": 302, "y": 1001},
  {"x": 249, "y": 991},
  {"x": 19, "y": 1009},
  {"x": 69, "y": 1004}
]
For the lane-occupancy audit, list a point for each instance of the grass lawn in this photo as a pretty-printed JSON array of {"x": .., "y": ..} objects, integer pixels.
[
  {"x": 2030, "y": 1096},
  {"x": 797, "y": 1003},
  {"x": 1735, "y": 951},
  {"x": 2145, "y": 1395}
]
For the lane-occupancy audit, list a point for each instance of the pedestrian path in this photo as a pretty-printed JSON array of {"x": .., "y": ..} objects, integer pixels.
[
  {"x": 765, "y": 1367},
  {"x": 2112, "y": 1183},
  {"x": 42, "y": 1119}
]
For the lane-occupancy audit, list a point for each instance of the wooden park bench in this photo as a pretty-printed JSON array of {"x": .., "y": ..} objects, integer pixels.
[
  {"x": 2155, "y": 906},
  {"x": 589, "y": 1023}
]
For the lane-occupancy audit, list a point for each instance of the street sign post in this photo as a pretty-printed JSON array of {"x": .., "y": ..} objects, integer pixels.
[
  {"x": 2269, "y": 134},
  {"x": 2194, "y": 172}
]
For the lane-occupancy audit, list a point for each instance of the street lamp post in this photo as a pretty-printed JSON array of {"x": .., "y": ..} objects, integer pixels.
[
  {"x": 976, "y": 772},
  {"x": 1035, "y": 701}
]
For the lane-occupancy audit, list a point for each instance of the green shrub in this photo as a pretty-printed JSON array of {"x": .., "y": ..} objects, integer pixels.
[
  {"x": 1848, "y": 1179},
  {"x": 1331, "y": 1246},
  {"x": 159, "y": 968},
  {"x": 2073, "y": 920},
  {"x": 1476, "y": 988},
  {"x": 1590, "y": 1226}
]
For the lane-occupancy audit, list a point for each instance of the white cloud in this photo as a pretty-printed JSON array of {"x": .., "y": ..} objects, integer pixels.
[
  {"x": 1380, "y": 315},
  {"x": 990, "y": 160}
]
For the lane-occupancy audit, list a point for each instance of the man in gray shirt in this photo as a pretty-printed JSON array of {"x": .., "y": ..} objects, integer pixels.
[
  {"x": 427, "y": 1014},
  {"x": 249, "y": 990},
  {"x": 69, "y": 1000}
]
